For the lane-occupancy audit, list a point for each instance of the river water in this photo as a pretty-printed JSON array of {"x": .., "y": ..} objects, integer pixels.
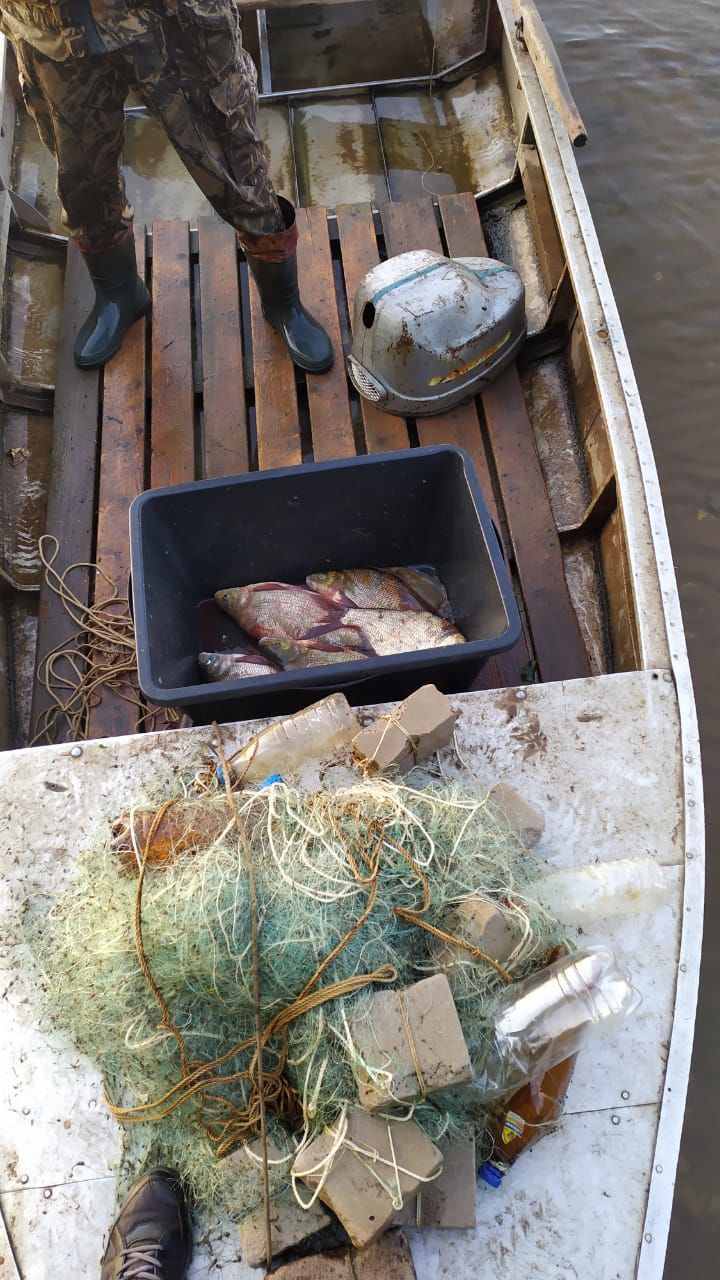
[{"x": 647, "y": 81}]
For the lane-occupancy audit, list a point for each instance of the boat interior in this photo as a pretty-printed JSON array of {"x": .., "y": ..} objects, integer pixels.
[{"x": 394, "y": 125}]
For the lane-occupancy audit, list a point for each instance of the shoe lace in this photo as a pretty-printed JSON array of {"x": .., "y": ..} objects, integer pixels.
[{"x": 141, "y": 1261}]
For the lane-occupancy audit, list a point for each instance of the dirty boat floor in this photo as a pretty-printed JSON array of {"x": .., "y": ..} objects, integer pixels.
[
  {"x": 573, "y": 1206},
  {"x": 204, "y": 388}
]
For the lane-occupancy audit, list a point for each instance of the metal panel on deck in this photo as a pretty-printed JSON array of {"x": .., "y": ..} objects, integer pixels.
[
  {"x": 546, "y": 740},
  {"x": 338, "y": 152}
]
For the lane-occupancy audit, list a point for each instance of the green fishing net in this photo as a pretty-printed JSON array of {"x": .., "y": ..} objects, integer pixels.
[{"x": 323, "y": 861}]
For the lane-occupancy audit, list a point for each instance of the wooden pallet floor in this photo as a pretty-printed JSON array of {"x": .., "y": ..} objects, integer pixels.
[{"x": 205, "y": 388}]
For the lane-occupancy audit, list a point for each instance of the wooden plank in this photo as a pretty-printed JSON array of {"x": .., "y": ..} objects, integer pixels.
[
  {"x": 71, "y": 496},
  {"x": 462, "y": 226},
  {"x": 465, "y": 239},
  {"x": 122, "y": 457},
  {"x": 556, "y": 637},
  {"x": 276, "y": 407},
  {"x": 358, "y": 242},
  {"x": 8, "y": 114},
  {"x": 586, "y": 399},
  {"x": 547, "y": 237},
  {"x": 122, "y": 470},
  {"x": 330, "y": 421},
  {"x": 172, "y": 432},
  {"x": 619, "y": 595},
  {"x": 411, "y": 225},
  {"x": 225, "y": 437},
  {"x": 460, "y": 425}
]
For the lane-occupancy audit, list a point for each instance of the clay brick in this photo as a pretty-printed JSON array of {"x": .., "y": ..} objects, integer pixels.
[
  {"x": 289, "y": 1222},
  {"x": 436, "y": 1037},
  {"x": 428, "y": 718},
  {"x": 351, "y": 1188},
  {"x": 449, "y": 1201},
  {"x": 388, "y": 1258},
  {"x": 483, "y": 925},
  {"x": 522, "y": 817},
  {"x": 289, "y": 1225}
]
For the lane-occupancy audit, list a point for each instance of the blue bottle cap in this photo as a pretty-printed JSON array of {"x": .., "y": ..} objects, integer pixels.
[
  {"x": 491, "y": 1174},
  {"x": 274, "y": 777}
]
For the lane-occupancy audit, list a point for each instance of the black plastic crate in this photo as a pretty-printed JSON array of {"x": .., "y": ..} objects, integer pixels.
[{"x": 416, "y": 507}]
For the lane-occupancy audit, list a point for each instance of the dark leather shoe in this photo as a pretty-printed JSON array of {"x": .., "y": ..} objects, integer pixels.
[
  {"x": 120, "y": 299},
  {"x": 150, "y": 1238}
]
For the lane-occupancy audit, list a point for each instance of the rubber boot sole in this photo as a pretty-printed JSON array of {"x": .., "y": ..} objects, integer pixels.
[
  {"x": 100, "y": 364},
  {"x": 313, "y": 368},
  {"x": 306, "y": 365}
]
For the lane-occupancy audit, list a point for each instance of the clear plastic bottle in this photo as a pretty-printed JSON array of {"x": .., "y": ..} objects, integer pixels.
[
  {"x": 310, "y": 734},
  {"x": 578, "y": 895},
  {"x": 525, "y": 1117},
  {"x": 548, "y": 1017}
]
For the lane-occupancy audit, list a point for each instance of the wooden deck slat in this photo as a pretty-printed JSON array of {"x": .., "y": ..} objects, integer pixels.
[
  {"x": 409, "y": 226},
  {"x": 465, "y": 239},
  {"x": 549, "y": 245},
  {"x": 556, "y": 637},
  {"x": 122, "y": 465},
  {"x": 225, "y": 433},
  {"x": 71, "y": 495},
  {"x": 330, "y": 421},
  {"x": 277, "y": 420},
  {"x": 173, "y": 410},
  {"x": 462, "y": 226},
  {"x": 358, "y": 242},
  {"x": 553, "y": 623}
]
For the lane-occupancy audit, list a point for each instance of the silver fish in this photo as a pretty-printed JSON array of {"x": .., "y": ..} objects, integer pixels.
[
  {"x": 293, "y": 655},
  {"x": 234, "y": 666},
  {"x": 399, "y": 631},
  {"x": 276, "y": 609},
  {"x": 426, "y": 585},
  {"x": 395, "y": 588}
]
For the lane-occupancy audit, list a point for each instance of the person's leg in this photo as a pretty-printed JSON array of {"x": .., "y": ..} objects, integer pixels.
[
  {"x": 78, "y": 108},
  {"x": 199, "y": 81}
]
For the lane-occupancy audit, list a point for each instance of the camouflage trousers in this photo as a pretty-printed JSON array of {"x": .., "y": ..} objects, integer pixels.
[{"x": 200, "y": 83}]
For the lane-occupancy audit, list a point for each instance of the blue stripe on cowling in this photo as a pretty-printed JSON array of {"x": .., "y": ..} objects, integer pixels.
[{"x": 434, "y": 266}]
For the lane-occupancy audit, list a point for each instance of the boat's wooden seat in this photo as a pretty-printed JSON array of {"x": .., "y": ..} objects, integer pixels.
[{"x": 205, "y": 388}]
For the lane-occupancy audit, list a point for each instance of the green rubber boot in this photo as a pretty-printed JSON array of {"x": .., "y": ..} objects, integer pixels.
[
  {"x": 120, "y": 299},
  {"x": 273, "y": 262}
]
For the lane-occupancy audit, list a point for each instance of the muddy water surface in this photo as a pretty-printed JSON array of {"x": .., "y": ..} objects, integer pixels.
[{"x": 646, "y": 79}]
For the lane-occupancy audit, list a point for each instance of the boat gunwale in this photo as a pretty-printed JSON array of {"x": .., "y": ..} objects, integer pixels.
[{"x": 657, "y": 602}]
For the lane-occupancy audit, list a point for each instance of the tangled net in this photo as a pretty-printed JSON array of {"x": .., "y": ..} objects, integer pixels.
[{"x": 150, "y": 970}]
